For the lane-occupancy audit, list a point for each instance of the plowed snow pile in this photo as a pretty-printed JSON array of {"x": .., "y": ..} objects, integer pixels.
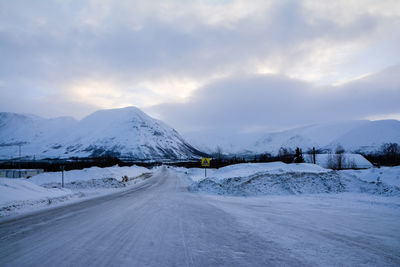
[
  {"x": 284, "y": 179},
  {"x": 387, "y": 175},
  {"x": 88, "y": 174},
  {"x": 20, "y": 195}
]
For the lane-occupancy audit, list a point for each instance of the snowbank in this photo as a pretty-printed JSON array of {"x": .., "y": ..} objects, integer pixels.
[
  {"x": 272, "y": 184},
  {"x": 88, "y": 174},
  {"x": 287, "y": 179},
  {"x": 20, "y": 195},
  {"x": 21, "y": 189},
  {"x": 386, "y": 175},
  {"x": 248, "y": 169}
]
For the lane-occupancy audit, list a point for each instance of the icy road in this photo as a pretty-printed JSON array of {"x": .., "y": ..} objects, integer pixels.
[{"x": 160, "y": 223}]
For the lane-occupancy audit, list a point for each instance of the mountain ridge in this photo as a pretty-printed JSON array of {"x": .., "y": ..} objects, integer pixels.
[
  {"x": 129, "y": 132},
  {"x": 126, "y": 132},
  {"x": 354, "y": 135}
]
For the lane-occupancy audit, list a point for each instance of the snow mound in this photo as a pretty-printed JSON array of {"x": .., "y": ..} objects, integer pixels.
[
  {"x": 43, "y": 190},
  {"x": 22, "y": 190},
  {"x": 272, "y": 184},
  {"x": 89, "y": 184},
  {"x": 285, "y": 179},
  {"x": 88, "y": 174},
  {"x": 248, "y": 169},
  {"x": 291, "y": 184},
  {"x": 386, "y": 175}
]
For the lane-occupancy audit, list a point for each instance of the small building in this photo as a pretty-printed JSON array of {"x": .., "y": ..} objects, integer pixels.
[
  {"x": 19, "y": 173},
  {"x": 339, "y": 161}
]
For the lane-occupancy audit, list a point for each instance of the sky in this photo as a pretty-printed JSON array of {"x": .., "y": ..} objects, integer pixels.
[{"x": 243, "y": 66}]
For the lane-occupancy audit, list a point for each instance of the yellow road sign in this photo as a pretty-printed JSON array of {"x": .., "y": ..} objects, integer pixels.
[{"x": 205, "y": 162}]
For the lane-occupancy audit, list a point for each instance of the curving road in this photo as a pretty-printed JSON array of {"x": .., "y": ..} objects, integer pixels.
[{"x": 157, "y": 223}]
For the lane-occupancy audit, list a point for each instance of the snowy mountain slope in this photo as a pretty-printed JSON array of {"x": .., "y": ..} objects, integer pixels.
[
  {"x": 363, "y": 135},
  {"x": 370, "y": 136},
  {"x": 32, "y": 132},
  {"x": 228, "y": 142},
  {"x": 354, "y": 136},
  {"x": 126, "y": 132},
  {"x": 319, "y": 136},
  {"x": 20, "y": 128}
]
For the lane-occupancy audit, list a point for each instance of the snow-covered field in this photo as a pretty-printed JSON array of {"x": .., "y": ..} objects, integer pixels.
[
  {"x": 44, "y": 190},
  {"x": 321, "y": 217},
  {"x": 249, "y": 179},
  {"x": 160, "y": 223}
]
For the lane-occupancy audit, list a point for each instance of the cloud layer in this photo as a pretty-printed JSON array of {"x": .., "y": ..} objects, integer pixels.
[
  {"x": 271, "y": 102},
  {"x": 73, "y": 57}
]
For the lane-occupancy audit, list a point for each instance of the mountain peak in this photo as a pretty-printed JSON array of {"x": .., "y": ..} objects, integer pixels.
[
  {"x": 117, "y": 112},
  {"x": 124, "y": 132}
]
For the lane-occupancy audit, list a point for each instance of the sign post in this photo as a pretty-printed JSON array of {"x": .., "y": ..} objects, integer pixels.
[{"x": 205, "y": 162}]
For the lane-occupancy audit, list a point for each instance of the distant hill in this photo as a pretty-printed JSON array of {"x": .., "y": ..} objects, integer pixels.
[
  {"x": 126, "y": 132},
  {"x": 129, "y": 132},
  {"x": 354, "y": 136}
]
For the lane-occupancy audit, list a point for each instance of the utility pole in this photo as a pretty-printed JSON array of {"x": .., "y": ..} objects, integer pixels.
[
  {"x": 19, "y": 160},
  {"x": 313, "y": 155},
  {"x": 62, "y": 176}
]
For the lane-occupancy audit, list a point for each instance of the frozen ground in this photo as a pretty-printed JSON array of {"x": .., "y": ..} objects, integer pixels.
[
  {"x": 160, "y": 223},
  {"x": 323, "y": 229},
  {"x": 44, "y": 190}
]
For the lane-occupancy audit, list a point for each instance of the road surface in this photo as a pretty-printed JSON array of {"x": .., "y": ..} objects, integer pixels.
[{"x": 160, "y": 223}]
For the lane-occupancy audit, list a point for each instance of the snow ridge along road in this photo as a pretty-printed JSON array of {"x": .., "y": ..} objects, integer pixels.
[{"x": 160, "y": 223}]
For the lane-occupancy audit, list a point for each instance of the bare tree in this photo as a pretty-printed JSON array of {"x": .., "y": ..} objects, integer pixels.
[
  {"x": 391, "y": 153},
  {"x": 339, "y": 151},
  {"x": 219, "y": 153},
  {"x": 286, "y": 154}
]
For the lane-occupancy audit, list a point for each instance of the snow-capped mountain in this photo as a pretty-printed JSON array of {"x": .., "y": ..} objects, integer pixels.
[
  {"x": 354, "y": 136},
  {"x": 126, "y": 132},
  {"x": 370, "y": 136},
  {"x": 318, "y": 135},
  {"x": 129, "y": 132}
]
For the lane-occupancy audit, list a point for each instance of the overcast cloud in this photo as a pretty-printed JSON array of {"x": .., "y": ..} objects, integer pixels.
[
  {"x": 271, "y": 102},
  {"x": 241, "y": 64}
]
